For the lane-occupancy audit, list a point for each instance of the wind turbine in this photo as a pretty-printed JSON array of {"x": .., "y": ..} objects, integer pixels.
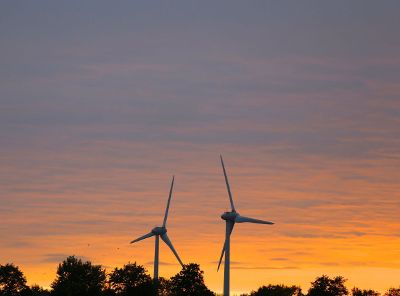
[
  {"x": 161, "y": 231},
  {"x": 231, "y": 218}
]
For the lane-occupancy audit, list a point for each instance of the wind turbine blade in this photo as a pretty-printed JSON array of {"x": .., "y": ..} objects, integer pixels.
[
  {"x": 227, "y": 185},
  {"x": 242, "y": 219},
  {"x": 220, "y": 258},
  {"x": 166, "y": 240},
  {"x": 230, "y": 225},
  {"x": 150, "y": 234},
  {"x": 169, "y": 201}
]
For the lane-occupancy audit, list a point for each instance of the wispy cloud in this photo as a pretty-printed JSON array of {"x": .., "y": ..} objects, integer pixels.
[{"x": 95, "y": 118}]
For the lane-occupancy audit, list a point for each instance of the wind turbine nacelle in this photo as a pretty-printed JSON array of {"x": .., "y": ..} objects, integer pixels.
[
  {"x": 159, "y": 230},
  {"x": 229, "y": 216}
]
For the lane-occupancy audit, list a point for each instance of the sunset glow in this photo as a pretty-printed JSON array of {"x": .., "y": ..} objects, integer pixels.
[{"x": 101, "y": 103}]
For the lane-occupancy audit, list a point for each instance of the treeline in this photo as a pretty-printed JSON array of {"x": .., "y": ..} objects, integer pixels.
[{"x": 77, "y": 278}]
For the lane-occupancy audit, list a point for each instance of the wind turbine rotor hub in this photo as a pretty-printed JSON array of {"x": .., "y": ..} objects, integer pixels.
[
  {"x": 159, "y": 230},
  {"x": 229, "y": 216}
]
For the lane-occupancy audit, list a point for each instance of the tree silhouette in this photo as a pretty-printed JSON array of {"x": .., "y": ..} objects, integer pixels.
[
  {"x": 132, "y": 279},
  {"x": 325, "y": 286},
  {"x": 163, "y": 287},
  {"x": 277, "y": 290},
  {"x": 358, "y": 292},
  {"x": 393, "y": 292},
  {"x": 35, "y": 290},
  {"x": 189, "y": 281},
  {"x": 12, "y": 281},
  {"x": 77, "y": 278}
]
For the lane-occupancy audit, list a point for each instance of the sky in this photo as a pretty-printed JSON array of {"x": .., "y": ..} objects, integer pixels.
[{"x": 102, "y": 102}]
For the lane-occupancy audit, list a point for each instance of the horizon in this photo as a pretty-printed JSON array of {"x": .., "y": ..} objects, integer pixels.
[{"x": 102, "y": 103}]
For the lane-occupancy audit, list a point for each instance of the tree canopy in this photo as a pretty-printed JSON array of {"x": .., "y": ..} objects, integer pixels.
[
  {"x": 277, "y": 290},
  {"x": 393, "y": 292},
  {"x": 189, "y": 281},
  {"x": 326, "y": 286},
  {"x": 77, "y": 278},
  {"x": 12, "y": 281},
  {"x": 131, "y": 279},
  {"x": 358, "y": 292},
  {"x": 36, "y": 290}
]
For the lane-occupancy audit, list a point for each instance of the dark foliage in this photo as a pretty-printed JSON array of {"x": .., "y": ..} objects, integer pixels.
[
  {"x": 277, "y": 290},
  {"x": 189, "y": 281},
  {"x": 35, "y": 290},
  {"x": 12, "y": 281},
  {"x": 132, "y": 279},
  {"x": 358, "y": 292},
  {"x": 164, "y": 286},
  {"x": 325, "y": 286},
  {"x": 393, "y": 292},
  {"x": 77, "y": 278}
]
